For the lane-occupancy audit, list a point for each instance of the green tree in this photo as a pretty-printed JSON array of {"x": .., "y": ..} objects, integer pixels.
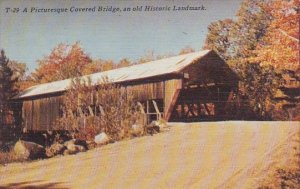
[
  {"x": 19, "y": 71},
  {"x": 7, "y": 90},
  {"x": 219, "y": 38},
  {"x": 11, "y": 74},
  {"x": 6, "y": 87}
]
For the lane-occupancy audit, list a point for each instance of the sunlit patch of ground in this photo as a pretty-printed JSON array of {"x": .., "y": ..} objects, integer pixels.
[{"x": 196, "y": 155}]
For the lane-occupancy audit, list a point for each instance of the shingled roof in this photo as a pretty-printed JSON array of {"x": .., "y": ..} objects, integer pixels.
[{"x": 135, "y": 72}]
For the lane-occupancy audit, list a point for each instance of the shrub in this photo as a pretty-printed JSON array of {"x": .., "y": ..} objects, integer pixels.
[{"x": 89, "y": 110}]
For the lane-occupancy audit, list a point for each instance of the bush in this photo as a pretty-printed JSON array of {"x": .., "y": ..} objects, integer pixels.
[{"x": 89, "y": 110}]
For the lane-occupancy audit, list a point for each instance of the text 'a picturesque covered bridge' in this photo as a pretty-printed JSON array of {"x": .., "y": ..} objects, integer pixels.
[{"x": 191, "y": 87}]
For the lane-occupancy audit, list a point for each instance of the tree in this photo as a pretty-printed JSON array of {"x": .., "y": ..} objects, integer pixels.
[
  {"x": 219, "y": 37},
  {"x": 279, "y": 48},
  {"x": 124, "y": 63},
  {"x": 237, "y": 42},
  {"x": 65, "y": 61},
  {"x": 280, "y": 45},
  {"x": 186, "y": 50},
  {"x": 98, "y": 66},
  {"x": 11, "y": 73},
  {"x": 19, "y": 74},
  {"x": 8, "y": 118},
  {"x": 6, "y": 87}
]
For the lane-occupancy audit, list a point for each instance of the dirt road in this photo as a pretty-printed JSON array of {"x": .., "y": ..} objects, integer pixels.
[{"x": 197, "y": 155}]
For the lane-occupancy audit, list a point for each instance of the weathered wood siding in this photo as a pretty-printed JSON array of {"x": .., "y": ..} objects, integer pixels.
[
  {"x": 40, "y": 114},
  {"x": 171, "y": 94},
  {"x": 147, "y": 91},
  {"x": 210, "y": 69},
  {"x": 210, "y": 82},
  {"x": 27, "y": 114}
]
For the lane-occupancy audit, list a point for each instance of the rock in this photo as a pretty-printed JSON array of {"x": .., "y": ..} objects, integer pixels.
[
  {"x": 74, "y": 149},
  {"x": 76, "y": 142},
  {"x": 69, "y": 152},
  {"x": 80, "y": 148},
  {"x": 153, "y": 128},
  {"x": 162, "y": 124},
  {"x": 55, "y": 149},
  {"x": 81, "y": 143},
  {"x": 137, "y": 129},
  {"x": 101, "y": 138},
  {"x": 28, "y": 150},
  {"x": 74, "y": 146},
  {"x": 91, "y": 145},
  {"x": 69, "y": 143}
]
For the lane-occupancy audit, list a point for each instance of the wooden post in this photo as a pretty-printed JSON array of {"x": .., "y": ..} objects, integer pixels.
[
  {"x": 143, "y": 113},
  {"x": 102, "y": 113},
  {"x": 218, "y": 94},
  {"x": 147, "y": 111},
  {"x": 158, "y": 114},
  {"x": 91, "y": 111}
]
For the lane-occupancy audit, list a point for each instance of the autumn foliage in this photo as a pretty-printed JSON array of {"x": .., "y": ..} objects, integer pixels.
[
  {"x": 65, "y": 61},
  {"x": 280, "y": 45},
  {"x": 89, "y": 110},
  {"x": 262, "y": 46}
]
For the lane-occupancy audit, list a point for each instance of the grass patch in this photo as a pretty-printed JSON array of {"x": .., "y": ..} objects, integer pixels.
[{"x": 286, "y": 176}]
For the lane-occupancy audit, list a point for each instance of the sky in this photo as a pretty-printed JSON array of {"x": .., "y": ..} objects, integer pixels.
[{"x": 29, "y": 36}]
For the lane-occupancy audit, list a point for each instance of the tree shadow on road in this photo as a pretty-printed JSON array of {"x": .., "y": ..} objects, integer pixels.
[{"x": 34, "y": 185}]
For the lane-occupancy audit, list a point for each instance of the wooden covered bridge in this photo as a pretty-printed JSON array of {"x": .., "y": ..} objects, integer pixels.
[{"x": 191, "y": 87}]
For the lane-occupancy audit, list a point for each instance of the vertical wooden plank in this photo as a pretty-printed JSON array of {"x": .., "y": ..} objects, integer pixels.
[
  {"x": 30, "y": 111},
  {"x": 27, "y": 114},
  {"x": 172, "y": 89},
  {"x": 36, "y": 115},
  {"x": 51, "y": 112},
  {"x": 54, "y": 113},
  {"x": 48, "y": 106},
  {"x": 24, "y": 116},
  {"x": 43, "y": 114}
]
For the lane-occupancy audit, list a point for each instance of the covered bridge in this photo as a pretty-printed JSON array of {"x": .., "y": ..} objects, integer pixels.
[{"x": 191, "y": 87}]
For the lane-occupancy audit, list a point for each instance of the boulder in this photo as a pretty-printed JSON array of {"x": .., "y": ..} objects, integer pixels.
[
  {"x": 69, "y": 143},
  {"x": 91, "y": 145},
  {"x": 28, "y": 150},
  {"x": 55, "y": 149},
  {"x": 80, "y": 148},
  {"x": 101, "y": 138},
  {"x": 162, "y": 124},
  {"x": 81, "y": 143},
  {"x": 74, "y": 146},
  {"x": 153, "y": 128},
  {"x": 74, "y": 149},
  {"x": 137, "y": 129},
  {"x": 69, "y": 152},
  {"x": 75, "y": 142}
]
